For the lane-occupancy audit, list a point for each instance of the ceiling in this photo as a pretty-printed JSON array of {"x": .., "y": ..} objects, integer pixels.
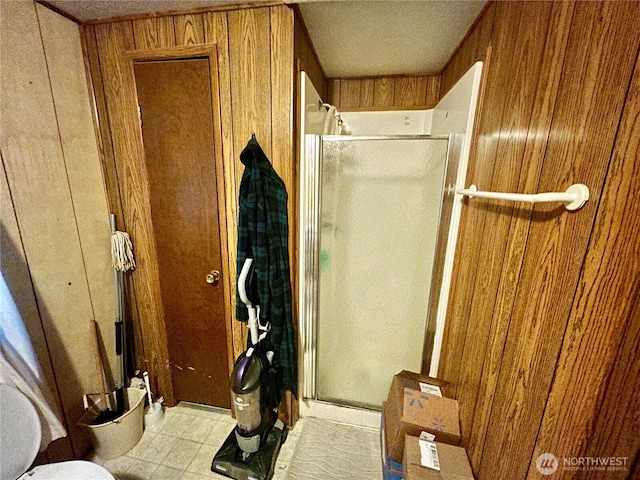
[
  {"x": 351, "y": 38},
  {"x": 387, "y": 37}
]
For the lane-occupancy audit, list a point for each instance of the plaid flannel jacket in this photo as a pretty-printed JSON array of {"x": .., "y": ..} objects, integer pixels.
[{"x": 263, "y": 235}]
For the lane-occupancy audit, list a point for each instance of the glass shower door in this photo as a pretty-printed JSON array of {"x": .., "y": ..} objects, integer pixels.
[{"x": 380, "y": 201}]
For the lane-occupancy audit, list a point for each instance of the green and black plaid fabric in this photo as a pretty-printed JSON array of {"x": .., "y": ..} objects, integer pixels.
[{"x": 263, "y": 235}]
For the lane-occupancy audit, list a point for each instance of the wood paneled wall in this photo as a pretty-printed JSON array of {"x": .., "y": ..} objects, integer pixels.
[
  {"x": 398, "y": 92},
  {"x": 543, "y": 325},
  {"x": 256, "y": 76},
  {"x": 55, "y": 229}
]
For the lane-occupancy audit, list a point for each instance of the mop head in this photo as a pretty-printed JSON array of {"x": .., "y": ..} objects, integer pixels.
[{"x": 122, "y": 252}]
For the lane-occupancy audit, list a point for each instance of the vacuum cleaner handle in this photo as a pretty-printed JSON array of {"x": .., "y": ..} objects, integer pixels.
[
  {"x": 244, "y": 282},
  {"x": 247, "y": 289}
]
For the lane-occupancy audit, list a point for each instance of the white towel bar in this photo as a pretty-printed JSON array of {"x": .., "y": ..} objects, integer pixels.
[{"x": 573, "y": 199}]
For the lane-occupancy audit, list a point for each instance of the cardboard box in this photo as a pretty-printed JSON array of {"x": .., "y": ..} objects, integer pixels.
[
  {"x": 410, "y": 411},
  {"x": 452, "y": 461},
  {"x": 413, "y": 380},
  {"x": 391, "y": 470}
]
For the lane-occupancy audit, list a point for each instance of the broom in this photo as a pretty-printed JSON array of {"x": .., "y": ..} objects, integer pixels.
[{"x": 122, "y": 261}]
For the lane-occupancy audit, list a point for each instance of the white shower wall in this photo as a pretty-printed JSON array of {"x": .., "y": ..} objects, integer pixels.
[
  {"x": 400, "y": 122},
  {"x": 312, "y": 116},
  {"x": 455, "y": 113}
]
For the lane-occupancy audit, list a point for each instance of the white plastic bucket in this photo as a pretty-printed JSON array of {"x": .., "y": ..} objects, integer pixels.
[{"x": 117, "y": 437}]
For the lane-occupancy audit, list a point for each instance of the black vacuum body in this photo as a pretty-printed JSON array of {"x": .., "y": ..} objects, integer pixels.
[
  {"x": 251, "y": 449},
  {"x": 255, "y": 397},
  {"x": 258, "y": 466}
]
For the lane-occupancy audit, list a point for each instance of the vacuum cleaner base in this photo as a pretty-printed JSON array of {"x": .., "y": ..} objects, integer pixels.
[{"x": 259, "y": 466}]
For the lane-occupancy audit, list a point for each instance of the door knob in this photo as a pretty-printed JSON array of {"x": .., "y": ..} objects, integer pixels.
[{"x": 214, "y": 276}]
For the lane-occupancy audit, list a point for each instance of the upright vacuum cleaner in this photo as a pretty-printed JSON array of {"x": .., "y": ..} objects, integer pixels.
[{"x": 251, "y": 449}]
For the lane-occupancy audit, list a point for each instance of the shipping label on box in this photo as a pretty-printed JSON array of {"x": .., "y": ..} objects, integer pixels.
[
  {"x": 432, "y": 389},
  {"x": 418, "y": 381},
  {"x": 429, "y": 455}
]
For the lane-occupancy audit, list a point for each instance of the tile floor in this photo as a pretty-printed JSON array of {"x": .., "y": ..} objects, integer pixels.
[{"x": 183, "y": 445}]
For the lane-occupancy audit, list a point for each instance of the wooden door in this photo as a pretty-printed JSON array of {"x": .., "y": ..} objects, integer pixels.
[{"x": 177, "y": 130}]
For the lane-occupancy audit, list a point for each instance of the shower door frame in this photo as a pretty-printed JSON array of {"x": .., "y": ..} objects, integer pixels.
[{"x": 309, "y": 241}]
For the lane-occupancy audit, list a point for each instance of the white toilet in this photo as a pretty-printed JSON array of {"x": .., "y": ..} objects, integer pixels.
[{"x": 20, "y": 442}]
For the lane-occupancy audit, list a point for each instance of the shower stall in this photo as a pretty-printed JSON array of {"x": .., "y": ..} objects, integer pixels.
[
  {"x": 371, "y": 217},
  {"x": 378, "y": 226}
]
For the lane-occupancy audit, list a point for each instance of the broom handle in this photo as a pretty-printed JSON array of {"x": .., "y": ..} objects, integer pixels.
[
  {"x": 121, "y": 329},
  {"x": 123, "y": 333},
  {"x": 99, "y": 367}
]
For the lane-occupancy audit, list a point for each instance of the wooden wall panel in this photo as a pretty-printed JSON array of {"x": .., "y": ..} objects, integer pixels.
[
  {"x": 480, "y": 169},
  {"x": 249, "y": 78},
  {"x": 548, "y": 118},
  {"x": 63, "y": 53},
  {"x": 614, "y": 426},
  {"x": 545, "y": 292},
  {"x": 501, "y": 292},
  {"x": 333, "y": 91},
  {"x": 282, "y": 60},
  {"x": 433, "y": 90},
  {"x": 156, "y": 32},
  {"x": 366, "y": 93},
  {"x": 216, "y": 31},
  {"x": 15, "y": 271},
  {"x": 189, "y": 29},
  {"x": 105, "y": 146},
  {"x": 282, "y": 134},
  {"x": 609, "y": 288},
  {"x": 255, "y": 49},
  {"x": 384, "y": 93},
  {"x": 113, "y": 40},
  {"x": 520, "y": 88},
  {"x": 52, "y": 169},
  {"x": 110, "y": 175},
  {"x": 249, "y": 58},
  {"x": 349, "y": 94},
  {"x": 410, "y": 89}
]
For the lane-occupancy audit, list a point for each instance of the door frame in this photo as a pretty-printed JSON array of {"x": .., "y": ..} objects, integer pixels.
[{"x": 210, "y": 52}]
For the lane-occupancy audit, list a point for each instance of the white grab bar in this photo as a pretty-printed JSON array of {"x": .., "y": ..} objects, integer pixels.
[{"x": 574, "y": 198}]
